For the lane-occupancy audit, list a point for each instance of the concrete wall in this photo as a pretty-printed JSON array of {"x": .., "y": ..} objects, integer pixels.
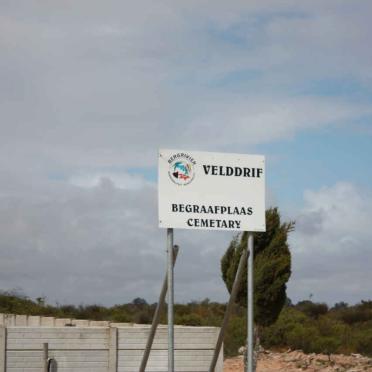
[
  {"x": 193, "y": 348},
  {"x": 75, "y": 349},
  {"x": 10, "y": 320},
  {"x": 102, "y": 348}
]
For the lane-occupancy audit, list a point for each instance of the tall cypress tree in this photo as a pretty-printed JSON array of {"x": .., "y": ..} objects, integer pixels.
[{"x": 272, "y": 268}]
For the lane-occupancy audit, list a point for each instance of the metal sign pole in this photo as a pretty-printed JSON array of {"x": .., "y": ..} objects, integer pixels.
[
  {"x": 170, "y": 301},
  {"x": 250, "y": 304}
]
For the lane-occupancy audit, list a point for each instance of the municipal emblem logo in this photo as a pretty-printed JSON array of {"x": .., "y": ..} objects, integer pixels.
[{"x": 181, "y": 169}]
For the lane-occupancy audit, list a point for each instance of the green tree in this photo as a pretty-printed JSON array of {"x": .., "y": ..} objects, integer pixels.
[{"x": 272, "y": 268}]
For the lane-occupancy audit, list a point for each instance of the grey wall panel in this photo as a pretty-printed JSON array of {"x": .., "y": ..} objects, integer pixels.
[
  {"x": 185, "y": 360},
  {"x": 184, "y": 338},
  {"x": 28, "y": 338},
  {"x": 107, "y": 349}
]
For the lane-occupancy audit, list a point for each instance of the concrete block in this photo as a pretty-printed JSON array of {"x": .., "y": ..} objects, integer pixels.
[
  {"x": 9, "y": 320},
  {"x": 99, "y": 323},
  {"x": 34, "y": 321},
  {"x": 185, "y": 338},
  {"x": 21, "y": 320},
  {"x": 118, "y": 325},
  {"x": 47, "y": 321},
  {"x": 80, "y": 360},
  {"x": 80, "y": 322},
  {"x": 62, "y": 322},
  {"x": 62, "y": 338},
  {"x": 185, "y": 360}
]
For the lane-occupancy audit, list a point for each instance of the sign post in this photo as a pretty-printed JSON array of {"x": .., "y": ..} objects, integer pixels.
[
  {"x": 170, "y": 301},
  {"x": 250, "y": 302},
  {"x": 211, "y": 191}
]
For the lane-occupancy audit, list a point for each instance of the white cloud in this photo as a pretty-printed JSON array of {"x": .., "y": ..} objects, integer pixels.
[
  {"x": 99, "y": 244},
  {"x": 121, "y": 180},
  {"x": 102, "y": 244},
  {"x": 331, "y": 246},
  {"x": 90, "y": 86},
  {"x": 100, "y": 84}
]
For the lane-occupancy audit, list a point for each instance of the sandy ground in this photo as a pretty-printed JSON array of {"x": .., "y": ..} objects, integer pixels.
[{"x": 297, "y": 361}]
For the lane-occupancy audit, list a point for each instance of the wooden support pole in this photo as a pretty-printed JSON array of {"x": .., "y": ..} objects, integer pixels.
[
  {"x": 234, "y": 291},
  {"x": 157, "y": 314}
]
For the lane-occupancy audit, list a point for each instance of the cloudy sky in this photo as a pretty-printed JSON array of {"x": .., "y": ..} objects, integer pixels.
[{"x": 91, "y": 89}]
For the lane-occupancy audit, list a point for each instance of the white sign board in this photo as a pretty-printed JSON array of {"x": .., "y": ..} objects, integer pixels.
[{"x": 211, "y": 191}]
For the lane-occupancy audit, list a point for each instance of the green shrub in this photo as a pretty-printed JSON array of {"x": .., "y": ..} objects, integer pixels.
[
  {"x": 189, "y": 320},
  {"x": 325, "y": 345},
  {"x": 276, "y": 335},
  {"x": 355, "y": 315},
  {"x": 364, "y": 342},
  {"x": 302, "y": 337},
  {"x": 312, "y": 309}
]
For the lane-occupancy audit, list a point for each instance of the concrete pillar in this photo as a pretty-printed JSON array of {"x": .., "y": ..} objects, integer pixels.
[
  {"x": 45, "y": 356},
  {"x": 113, "y": 349},
  {"x": 2, "y": 349}
]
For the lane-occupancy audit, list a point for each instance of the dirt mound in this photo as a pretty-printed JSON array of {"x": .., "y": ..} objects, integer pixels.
[{"x": 292, "y": 361}]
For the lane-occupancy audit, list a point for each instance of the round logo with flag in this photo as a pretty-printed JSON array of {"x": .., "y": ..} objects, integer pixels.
[{"x": 181, "y": 170}]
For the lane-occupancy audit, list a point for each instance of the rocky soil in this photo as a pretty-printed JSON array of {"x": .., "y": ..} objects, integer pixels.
[{"x": 292, "y": 361}]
